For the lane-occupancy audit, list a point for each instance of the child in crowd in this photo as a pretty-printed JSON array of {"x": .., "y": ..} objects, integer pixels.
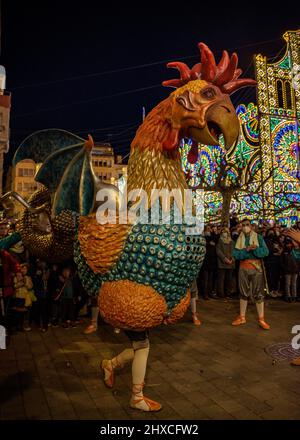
[
  {"x": 23, "y": 297},
  {"x": 40, "y": 283},
  {"x": 31, "y": 298},
  {"x": 193, "y": 304}
]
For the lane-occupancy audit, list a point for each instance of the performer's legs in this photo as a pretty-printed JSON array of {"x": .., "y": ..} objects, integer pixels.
[
  {"x": 139, "y": 354},
  {"x": 195, "y": 316},
  {"x": 109, "y": 365},
  {"x": 243, "y": 307},
  {"x": 194, "y": 294},
  {"x": 93, "y": 326},
  {"x": 241, "y": 319},
  {"x": 139, "y": 365},
  {"x": 244, "y": 285},
  {"x": 258, "y": 295},
  {"x": 261, "y": 316}
]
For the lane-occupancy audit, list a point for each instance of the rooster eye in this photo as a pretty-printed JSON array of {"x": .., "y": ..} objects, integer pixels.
[{"x": 208, "y": 93}]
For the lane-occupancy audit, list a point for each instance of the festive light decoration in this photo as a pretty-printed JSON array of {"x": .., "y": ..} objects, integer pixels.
[
  {"x": 279, "y": 105},
  {"x": 265, "y": 160},
  {"x": 241, "y": 164}
]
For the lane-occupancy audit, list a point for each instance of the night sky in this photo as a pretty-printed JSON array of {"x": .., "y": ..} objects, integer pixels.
[{"x": 46, "y": 43}]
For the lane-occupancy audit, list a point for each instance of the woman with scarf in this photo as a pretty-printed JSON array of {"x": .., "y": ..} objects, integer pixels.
[
  {"x": 226, "y": 263},
  {"x": 250, "y": 248}
]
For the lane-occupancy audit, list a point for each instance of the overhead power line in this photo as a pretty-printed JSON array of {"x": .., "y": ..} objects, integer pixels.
[
  {"x": 78, "y": 130},
  {"x": 85, "y": 101},
  {"x": 129, "y": 68}
]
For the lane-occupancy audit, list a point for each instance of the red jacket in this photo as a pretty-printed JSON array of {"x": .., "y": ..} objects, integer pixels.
[{"x": 10, "y": 266}]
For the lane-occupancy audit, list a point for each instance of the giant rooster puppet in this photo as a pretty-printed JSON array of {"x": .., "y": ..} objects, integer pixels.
[{"x": 141, "y": 273}]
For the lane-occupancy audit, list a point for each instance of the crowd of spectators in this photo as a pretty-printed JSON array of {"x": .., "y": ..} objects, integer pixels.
[
  {"x": 219, "y": 273},
  {"x": 37, "y": 294}
]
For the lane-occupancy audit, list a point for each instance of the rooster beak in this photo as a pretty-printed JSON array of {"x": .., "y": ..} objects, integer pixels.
[{"x": 220, "y": 119}]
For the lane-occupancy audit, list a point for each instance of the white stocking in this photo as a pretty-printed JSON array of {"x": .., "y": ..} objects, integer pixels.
[
  {"x": 260, "y": 309},
  {"x": 118, "y": 361},
  {"x": 193, "y": 305},
  {"x": 243, "y": 307},
  {"x": 123, "y": 358},
  {"x": 95, "y": 314},
  {"x": 139, "y": 366}
]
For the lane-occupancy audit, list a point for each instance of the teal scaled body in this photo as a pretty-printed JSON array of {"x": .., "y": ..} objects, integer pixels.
[{"x": 162, "y": 256}]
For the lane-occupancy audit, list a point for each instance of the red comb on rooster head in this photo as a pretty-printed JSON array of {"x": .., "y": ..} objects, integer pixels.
[
  {"x": 225, "y": 75},
  {"x": 202, "y": 109}
]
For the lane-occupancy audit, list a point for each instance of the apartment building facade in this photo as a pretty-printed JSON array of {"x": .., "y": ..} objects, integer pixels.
[{"x": 107, "y": 166}]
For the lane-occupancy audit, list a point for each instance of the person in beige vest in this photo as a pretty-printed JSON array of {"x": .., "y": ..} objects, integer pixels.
[{"x": 250, "y": 248}]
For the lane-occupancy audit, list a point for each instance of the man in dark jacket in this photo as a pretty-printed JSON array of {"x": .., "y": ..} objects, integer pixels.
[
  {"x": 272, "y": 262},
  {"x": 209, "y": 267},
  {"x": 290, "y": 268}
]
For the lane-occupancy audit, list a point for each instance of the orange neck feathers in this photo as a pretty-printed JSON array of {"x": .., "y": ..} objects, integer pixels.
[
  {"x": 155, "y": 159},
  {"x": 156, "y": 132}
]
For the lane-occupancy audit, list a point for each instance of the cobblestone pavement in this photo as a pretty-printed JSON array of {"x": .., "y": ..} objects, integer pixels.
[{"x": 214, "y": 371}]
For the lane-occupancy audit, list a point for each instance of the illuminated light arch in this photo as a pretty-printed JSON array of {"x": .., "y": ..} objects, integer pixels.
[{"x": 268, "y": 147}]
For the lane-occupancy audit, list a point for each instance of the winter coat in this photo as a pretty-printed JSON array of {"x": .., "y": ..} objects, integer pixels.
[
  {"x": 9, "y": 267},
  {"x": 68, "y": 289},
  {"x": 54, "y": 283},
  {"x": 23, "y": 288},
  {"x": 275, "y": 249},
  {"x": 225, "y": 250},
  {"x": 289, "y": 264},
  {"x": 210, "y": 259},
  {"x": 40, "y": 284}
]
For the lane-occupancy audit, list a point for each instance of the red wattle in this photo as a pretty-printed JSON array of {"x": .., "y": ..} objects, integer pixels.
[
  {"x": 171, "y": 140},
  {"x": 192, "y": 156}
]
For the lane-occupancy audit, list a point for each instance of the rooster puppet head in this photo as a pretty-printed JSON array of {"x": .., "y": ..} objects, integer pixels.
[{"x": 201, "y": 106}]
